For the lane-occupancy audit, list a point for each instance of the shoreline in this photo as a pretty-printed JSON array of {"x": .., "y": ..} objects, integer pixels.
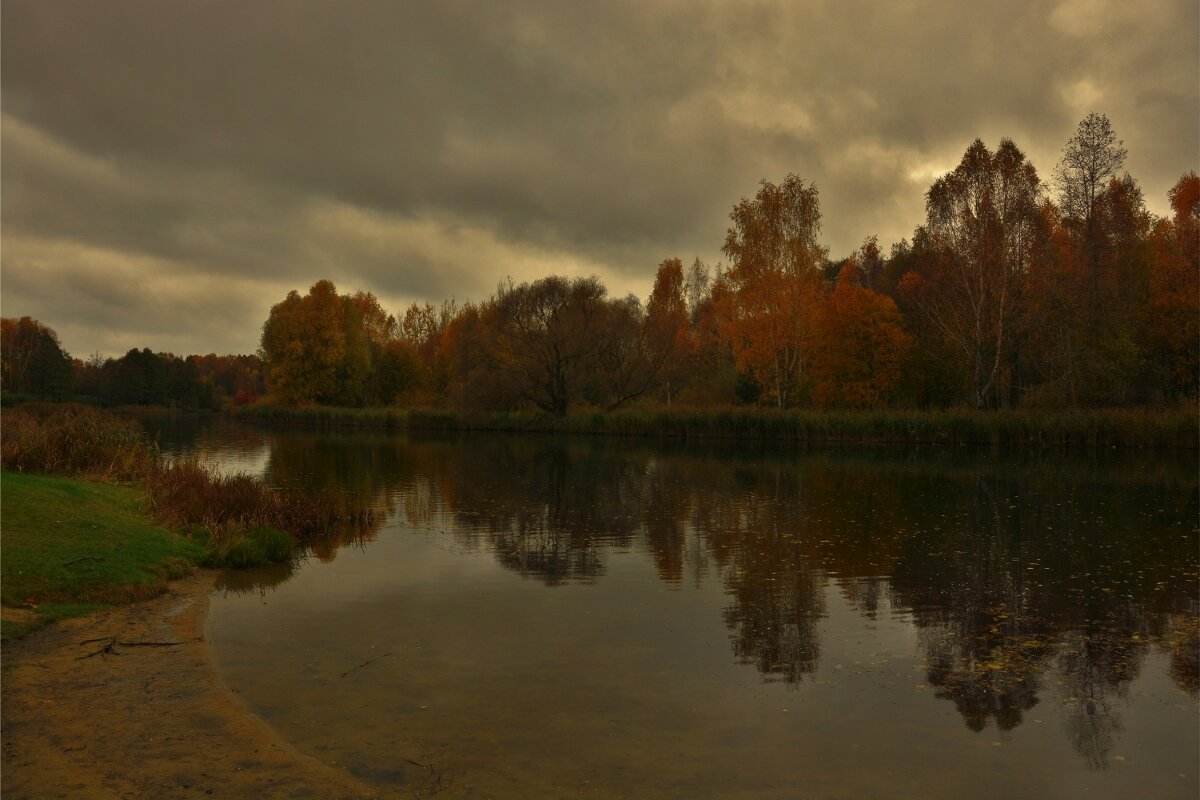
[
  {"x": 1166, "y": 429},
  {"x": 143, "y": 721}
]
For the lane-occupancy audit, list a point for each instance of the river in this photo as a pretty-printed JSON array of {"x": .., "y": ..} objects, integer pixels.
[{"x": 600, "y": 618}]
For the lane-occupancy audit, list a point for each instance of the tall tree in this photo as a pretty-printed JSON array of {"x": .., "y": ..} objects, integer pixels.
[
  {"x": 1090, "y": 159},
  {"x": 982, "y": 219},
  {"x": 667, "y": 329},
  {"x": 304, "y": 344},
  {"x": 1171, "y": 319},
  {"x": 696, "y": 286},
  {"x": 870, "y": 263},
  {"x": 774, "y": 283},
  {"x": 423, "y": 328},
  {"x": 1104, "y": 263}
]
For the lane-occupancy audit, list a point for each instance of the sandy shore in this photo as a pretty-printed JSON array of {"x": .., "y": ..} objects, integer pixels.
[{"x": 148, "y": 721}]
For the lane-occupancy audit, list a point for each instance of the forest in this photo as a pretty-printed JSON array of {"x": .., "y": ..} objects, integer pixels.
[{"x": 1013, "y": 292}]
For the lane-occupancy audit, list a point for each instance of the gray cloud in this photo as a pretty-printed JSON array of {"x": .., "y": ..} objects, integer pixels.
[{"x": 215, "y": 155}]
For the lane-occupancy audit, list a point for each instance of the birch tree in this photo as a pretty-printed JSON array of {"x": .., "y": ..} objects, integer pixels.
[{"x": 982, "y": 218}]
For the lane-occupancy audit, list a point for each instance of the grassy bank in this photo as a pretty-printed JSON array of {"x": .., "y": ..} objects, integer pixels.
[
  {"x": 72, "y": 537},
  {"x": 70, "y": 545},
  {"x": 1159, "y": 428}
]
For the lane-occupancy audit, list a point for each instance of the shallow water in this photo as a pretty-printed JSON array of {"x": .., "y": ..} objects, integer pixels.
[{"x": 541, "y": 616}]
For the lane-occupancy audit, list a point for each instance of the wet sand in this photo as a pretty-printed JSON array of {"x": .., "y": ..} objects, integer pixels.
[{"x": 142, "y": 721}]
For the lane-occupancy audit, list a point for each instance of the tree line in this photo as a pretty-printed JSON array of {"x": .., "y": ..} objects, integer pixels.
[
  {"x": 33, "y": 364},
  {"x": 1013, "y": 292}
]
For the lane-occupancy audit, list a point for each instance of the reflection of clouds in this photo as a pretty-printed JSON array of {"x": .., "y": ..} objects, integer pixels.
[{"x": 232, "y": 462}]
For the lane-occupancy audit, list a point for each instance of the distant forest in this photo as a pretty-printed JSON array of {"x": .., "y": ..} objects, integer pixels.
[{"x": 1013, "y": 292}]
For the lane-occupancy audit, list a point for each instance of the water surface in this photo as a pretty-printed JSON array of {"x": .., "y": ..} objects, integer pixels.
[{"x": 541, "y": 616}]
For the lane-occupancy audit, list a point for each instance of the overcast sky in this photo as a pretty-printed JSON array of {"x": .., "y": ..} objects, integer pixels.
[{"x": 171, "y": 169}]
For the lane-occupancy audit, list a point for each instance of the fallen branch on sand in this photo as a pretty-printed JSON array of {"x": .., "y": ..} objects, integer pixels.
[
  {"x": 363, "y": 664},
  {"x": 110, "y": 643}
]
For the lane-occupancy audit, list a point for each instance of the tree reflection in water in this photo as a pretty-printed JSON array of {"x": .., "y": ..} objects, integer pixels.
[{"x": 1028, "y": 579}]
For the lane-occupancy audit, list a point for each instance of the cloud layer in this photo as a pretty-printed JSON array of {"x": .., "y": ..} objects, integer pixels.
[{"x": 171, "y": 170}]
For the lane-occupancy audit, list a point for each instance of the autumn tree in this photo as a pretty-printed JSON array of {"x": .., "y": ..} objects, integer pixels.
[
  {"x": 869, "y": 262},
  {"x": 545, "y": 336},
  {"x": 230, "y": 375},
  {"x": 473, "y": 379},
  {"x": 774, "y": 286},
  {"x": 981, "y": 220},
  {"x": 627, "y": 364},
  {"x": 1091, "y": 158},
  {"x": 1103, "y": 261},
  {"x": 667, "y": 328},
  {"x": 696, "y": 286},
  {"x": 303, "y": 342},
  {"x": 327, "y": 348},
  {"x": 32, "y": 360},
  {"x": 383, "y": 365},
  {"x": 1171, "y": 317},
  {"x": 377, "y": 325},
  {"x": 859, "y": 345},
  {"x": 716, "y": 376},
  {"x": 423, "y": 328}
]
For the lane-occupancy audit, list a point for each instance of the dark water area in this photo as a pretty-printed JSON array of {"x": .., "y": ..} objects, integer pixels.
[{"x": 597, "y": 617}]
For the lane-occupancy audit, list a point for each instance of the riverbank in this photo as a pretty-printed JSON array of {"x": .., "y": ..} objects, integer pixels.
[
  {"x": 140, "y": 718},
  {"x": 121, "y": 698},
  {"x": 1175, "y": 428},
  {"x": 71, "y": 546},
  {"x": 92, "y": 508}
]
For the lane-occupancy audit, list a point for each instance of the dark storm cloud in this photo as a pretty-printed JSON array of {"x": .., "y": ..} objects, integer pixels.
[{"x": 221, "y": 153}]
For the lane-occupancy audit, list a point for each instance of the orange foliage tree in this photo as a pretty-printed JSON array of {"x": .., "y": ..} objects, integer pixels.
[
  {"x": 774, "y": 285},
  {"x": 326, "y": 348},
  {"x": 858, "y": 347},
  {"x": 422, "y": 328},
  {"x": 1172, "y": 313}
]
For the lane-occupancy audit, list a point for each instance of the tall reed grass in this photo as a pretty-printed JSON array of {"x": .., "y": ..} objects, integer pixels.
[
  {"x": 1177, "y": 428},
  {"x": 74, "y": 440}
]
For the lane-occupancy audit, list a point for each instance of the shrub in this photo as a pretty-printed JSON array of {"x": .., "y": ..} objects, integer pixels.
[
  {"x": 187, "y": 493},
  {"x": 254, "y": 547}
]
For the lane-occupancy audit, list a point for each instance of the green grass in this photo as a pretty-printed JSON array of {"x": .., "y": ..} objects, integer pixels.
[
  {"x": 254, "y": 547},
  {"x": 69, "y": 545}
]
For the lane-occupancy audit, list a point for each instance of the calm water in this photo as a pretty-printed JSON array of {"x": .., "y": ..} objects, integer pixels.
[{"x": 539, "y": 617}]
